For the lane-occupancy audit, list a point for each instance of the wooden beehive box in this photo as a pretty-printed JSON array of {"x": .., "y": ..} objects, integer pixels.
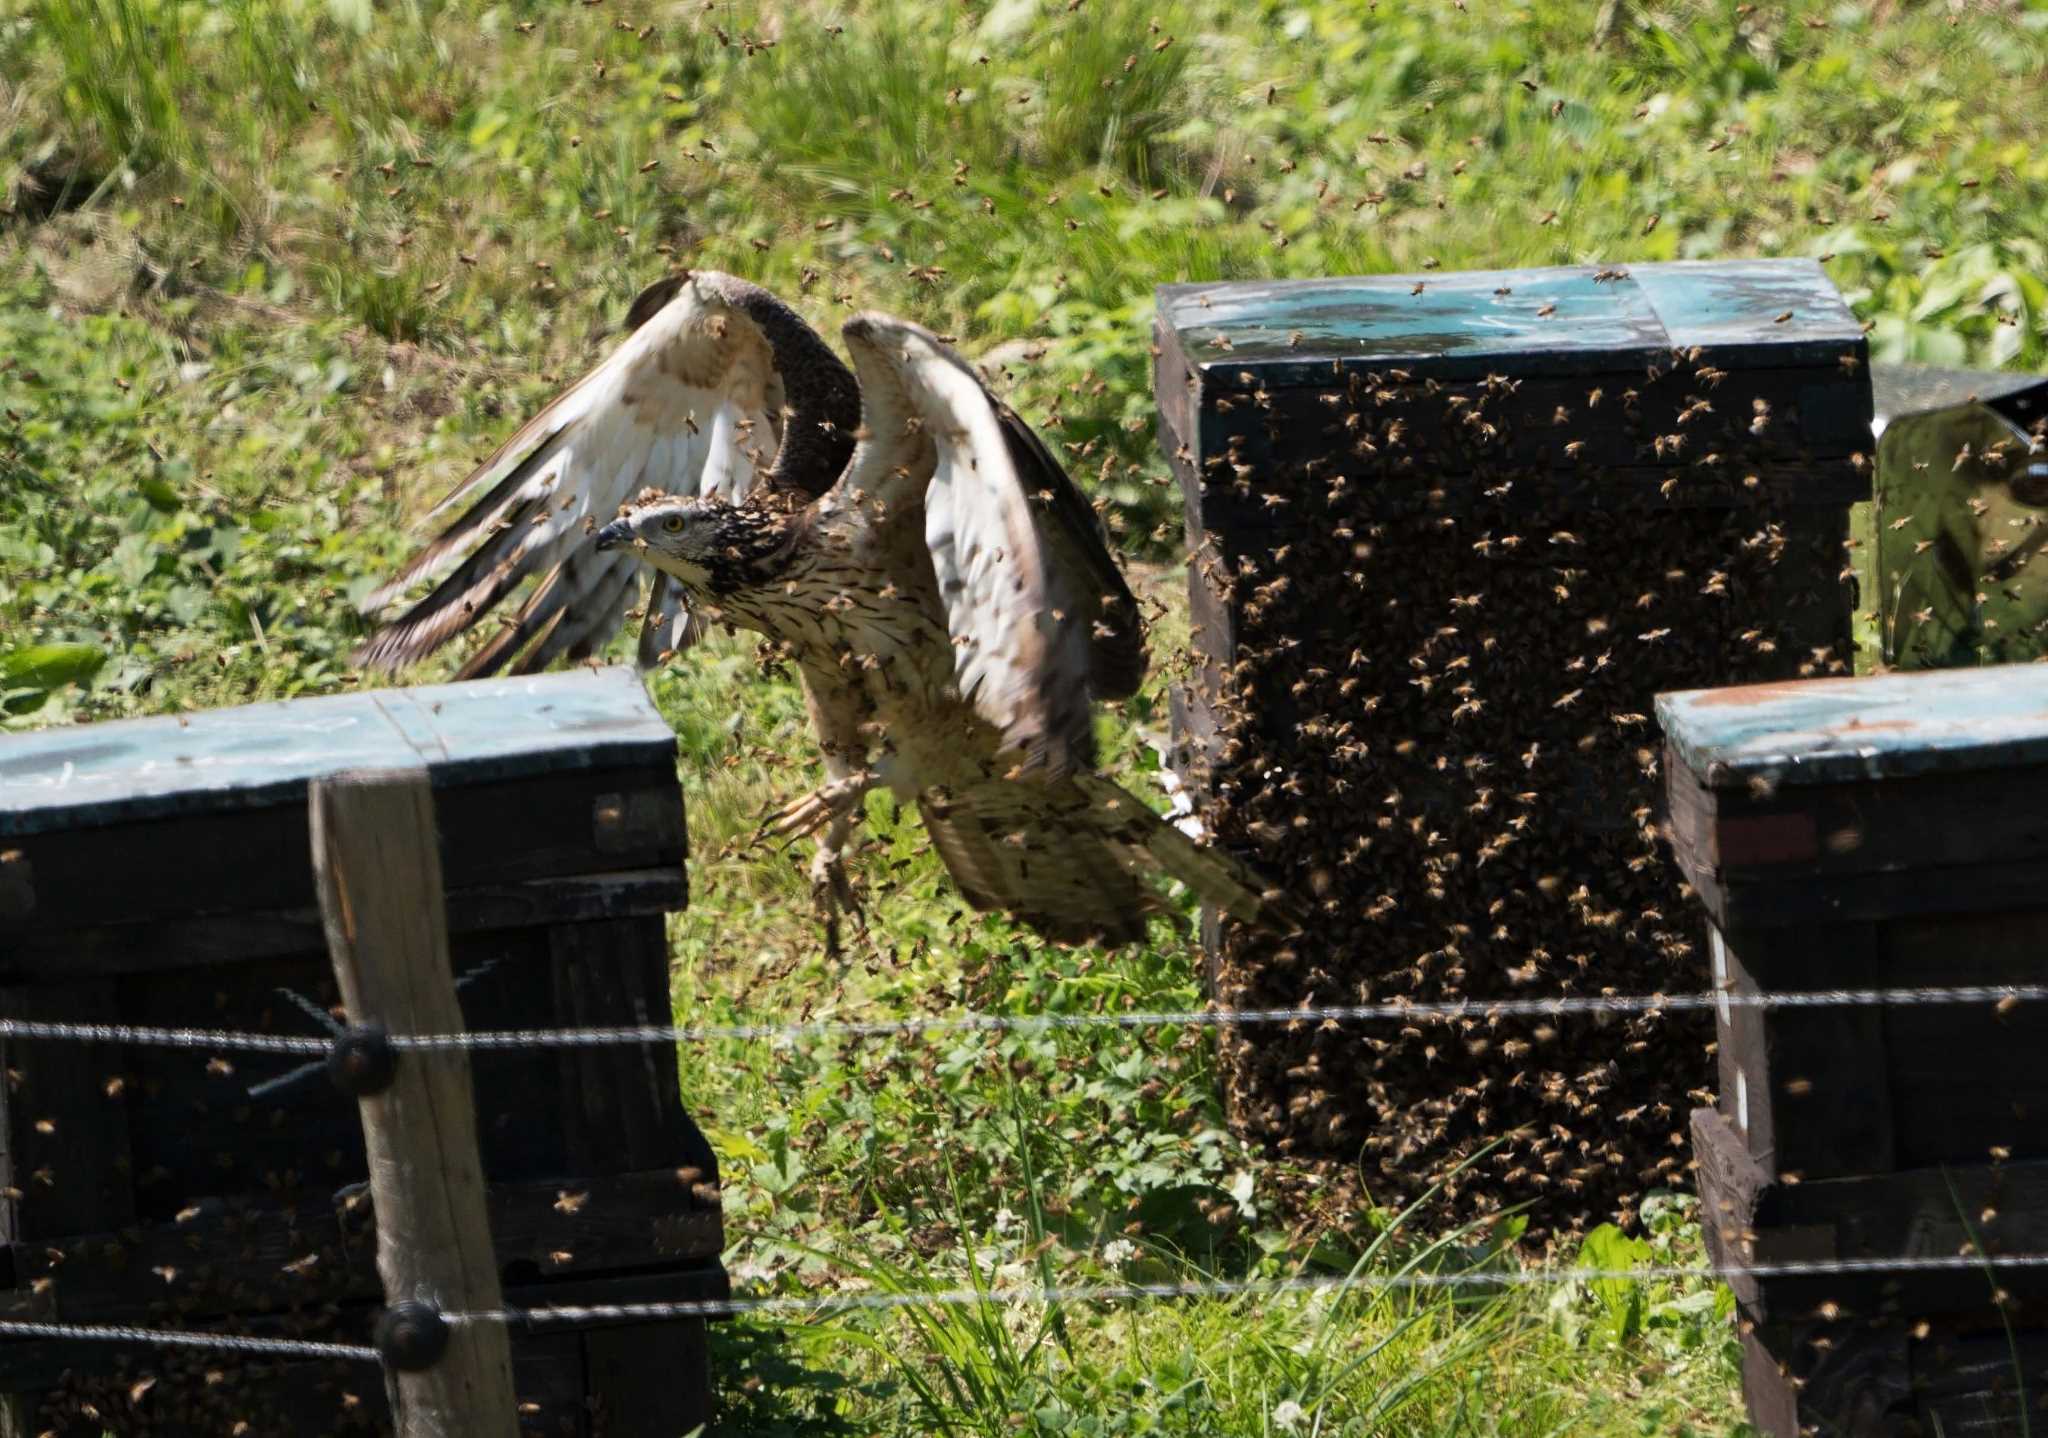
[
  {"x": 1954, "y": 537},
  {"x": 158, "y": 872},
  {"x": 1449, "y": 535},
  {"x": 1876, "y": 833}
]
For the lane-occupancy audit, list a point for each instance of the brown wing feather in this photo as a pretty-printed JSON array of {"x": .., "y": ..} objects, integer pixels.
[
  {"x": 511, "y": 499},
  {"x": 1078, "y": 547},
  {"x": 464, "y": 597},
  {"x": 585, "y": 629},
  {"x": 1142, "y": 837},
  {"x": 577, "y": 605},
  {"x": 670, "y": 626}
]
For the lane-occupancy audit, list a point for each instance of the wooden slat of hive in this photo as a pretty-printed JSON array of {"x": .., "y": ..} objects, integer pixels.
[{"x": 562, "y": 836}]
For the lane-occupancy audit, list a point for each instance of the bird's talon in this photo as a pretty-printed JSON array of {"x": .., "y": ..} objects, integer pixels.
[
  {"x": 834, "y": 895},
  {"x": 803, "y": 817}
]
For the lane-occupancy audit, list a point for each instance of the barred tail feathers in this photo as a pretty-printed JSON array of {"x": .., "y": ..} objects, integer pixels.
[
  {"x": 1072, "y": 858},
  {"x": 1217, "y": 877}
]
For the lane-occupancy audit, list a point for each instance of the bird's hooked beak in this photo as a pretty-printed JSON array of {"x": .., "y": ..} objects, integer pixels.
[{"x": 612, "y": 535}]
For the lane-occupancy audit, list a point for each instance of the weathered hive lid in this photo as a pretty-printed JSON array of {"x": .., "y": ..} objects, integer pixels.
[
  {"x": 1462, "y": 325},
  {"x": 1902, "y": 390},
  {"x": 263, "y": 754},
  {"x": 1748, "y": 377},
  {"x": 1873, "y": 728},
  {"x": 151, "y": 843},
  {"x": 1847, "y": 800}
]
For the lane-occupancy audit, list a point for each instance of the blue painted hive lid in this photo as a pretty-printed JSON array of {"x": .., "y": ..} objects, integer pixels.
[
  {"x": 1873, "y": 728},
  {"x": 1573, "y": 320},
  {"x": 257, "y": 755}
]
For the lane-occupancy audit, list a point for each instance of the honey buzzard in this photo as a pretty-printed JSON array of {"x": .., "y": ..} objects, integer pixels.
[{"x": 946, "y": 592}]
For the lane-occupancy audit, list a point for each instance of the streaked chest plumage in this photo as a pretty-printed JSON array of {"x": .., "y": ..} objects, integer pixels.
[{"x": 858, "y": 604}]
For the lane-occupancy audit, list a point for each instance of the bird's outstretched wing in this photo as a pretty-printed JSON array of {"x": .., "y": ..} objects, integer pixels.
[
  {"x": 690, "y": 403},
  {"x": 1074, "y": 538},
  {"x": 1039, "y": 615}
]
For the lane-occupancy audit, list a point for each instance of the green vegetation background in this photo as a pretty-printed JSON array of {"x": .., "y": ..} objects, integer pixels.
[{"x": 273, "y": 274}]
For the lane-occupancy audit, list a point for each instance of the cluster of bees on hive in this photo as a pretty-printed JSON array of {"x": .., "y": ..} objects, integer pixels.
[
  {"x": 229, "y": 1266},
  {"x": 242, "y": 1395},
  {"x": 1434, "y": 723},
  {"x": 237, "y": 1395},
  {"x": 209, "y": 1391},
  {"x": 224, "y": 1271}
]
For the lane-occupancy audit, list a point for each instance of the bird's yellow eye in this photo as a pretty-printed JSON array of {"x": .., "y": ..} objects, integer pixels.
[{"x": 673, "y": 524}]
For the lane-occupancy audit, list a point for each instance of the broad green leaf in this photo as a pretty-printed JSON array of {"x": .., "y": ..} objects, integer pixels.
[
  {"x": 51, "y": 666},
  {"x": 134, "y": 559}
]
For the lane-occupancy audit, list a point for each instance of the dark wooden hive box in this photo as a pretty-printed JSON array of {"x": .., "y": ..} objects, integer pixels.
[
  {"x": 1875, "y": 833},
  {"x": 158, "y": 872},
  {"x": 1955, "y": 535},
  {"x": 1449, "y": 535}
]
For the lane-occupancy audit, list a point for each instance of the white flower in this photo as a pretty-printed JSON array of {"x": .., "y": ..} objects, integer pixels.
[
  {"x": 1006, "y": 1221},
  {"x": 1289, "y": 1416},
  {"x": 1120, "y": 1250}
]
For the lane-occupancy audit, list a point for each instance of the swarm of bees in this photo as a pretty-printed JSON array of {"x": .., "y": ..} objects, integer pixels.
[
  {"x": 230, "y": 1262},
  {"x": 237, "y": 1396},
  {"x": 1429, "y": 702},
  {"x": 211, "y": 1392},
  {"x": 230, "y": 1284}
]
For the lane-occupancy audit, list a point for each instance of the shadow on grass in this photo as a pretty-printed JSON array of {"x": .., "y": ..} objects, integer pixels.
[{"x": 765, "y": 1386}]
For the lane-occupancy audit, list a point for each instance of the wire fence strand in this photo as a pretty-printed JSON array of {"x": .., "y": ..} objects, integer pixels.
[
  {"x": 825, "y": 1304},
  {"x": 800, "y": 1307},
  {"x": 213, "y": 1040},
  {"x": 2000, "y": 997},
  {"x": 1392, "y": 1011},
  {"x": 186, "y": 1338}
]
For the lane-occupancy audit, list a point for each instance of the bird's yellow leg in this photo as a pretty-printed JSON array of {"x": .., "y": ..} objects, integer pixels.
[
  {"x": 831, "y": 804},
  {"x": 827, "y": 811},
  {"x": 833, "y": 893}
]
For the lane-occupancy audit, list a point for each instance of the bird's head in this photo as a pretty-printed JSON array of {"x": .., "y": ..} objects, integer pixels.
[{"x": 713, "y": 547}]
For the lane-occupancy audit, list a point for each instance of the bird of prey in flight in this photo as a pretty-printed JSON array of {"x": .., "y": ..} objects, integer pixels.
[{"x": 947, "y": 593}]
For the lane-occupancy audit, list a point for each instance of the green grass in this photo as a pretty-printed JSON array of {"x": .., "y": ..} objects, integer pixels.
[{"x": 270, "y": 275}]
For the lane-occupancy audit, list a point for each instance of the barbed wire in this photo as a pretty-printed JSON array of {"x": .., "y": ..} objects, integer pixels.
[
  {"x": 810, "y": 1307},
  {"x": 185, "y": 1338},
  {"x": 2000, "y": 996},
  {"x": 323, "y": 1019}
]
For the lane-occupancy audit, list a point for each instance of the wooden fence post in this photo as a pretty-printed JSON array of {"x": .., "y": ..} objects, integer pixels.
[{"x": 377, "y": 867}]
